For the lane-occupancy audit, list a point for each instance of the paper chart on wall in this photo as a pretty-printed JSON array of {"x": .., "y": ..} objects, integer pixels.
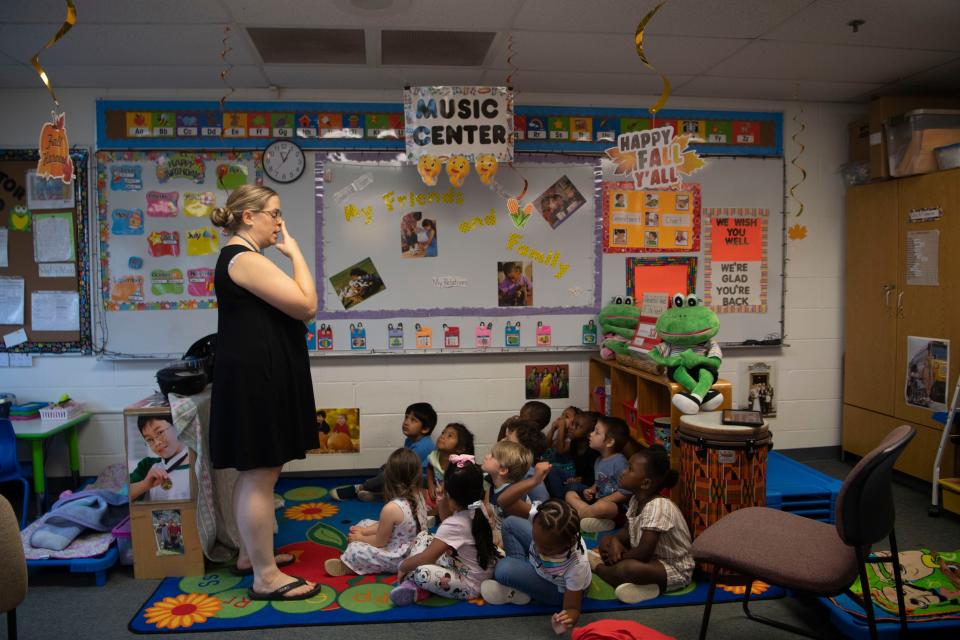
[
  {"x": 53, "y": 237},
  {"x": 4, "y": 256},
  {"x": 11, "y": 300},
  {"x": 735, "y": 260},
  {"x": 54, "y": 311},
  {"x": 157, "y": 245}
]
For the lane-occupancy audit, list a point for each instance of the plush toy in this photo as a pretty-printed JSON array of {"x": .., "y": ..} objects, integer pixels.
[
  {"x": 618, "y": 321},
  {"x": 690, "y": 353}
]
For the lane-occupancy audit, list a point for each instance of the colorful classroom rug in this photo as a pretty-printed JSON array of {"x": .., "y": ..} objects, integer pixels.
[
  {"x": 931, "y": 588},
  {"x": 313, "y": 527}
]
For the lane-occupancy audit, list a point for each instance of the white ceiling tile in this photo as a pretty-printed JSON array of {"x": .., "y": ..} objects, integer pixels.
[
  {"x": 116, "y": 11},
  {"x": 798, "y": 61},
  {"x": 555, "y": 51},
  {"x": 589, "y": 83},
  {"x": 165, "y": 76},
  {"x": 767, "y": 89},
  {"x": 358, "y": 77},
  {"x": 126, "y": 44},
  {"x": 418, "y": 14},
  {"x": 727, "y": 19},
  {"x": 917, "y": 24}
]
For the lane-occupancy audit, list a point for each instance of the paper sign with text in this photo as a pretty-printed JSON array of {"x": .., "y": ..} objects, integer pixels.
[
  {"x": 654, "y": 158},
  {"x": 459, "y": 121},
  {"x": 736, "y": 273}
]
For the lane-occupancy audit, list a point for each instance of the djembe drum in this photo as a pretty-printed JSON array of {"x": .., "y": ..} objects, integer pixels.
[{"x": 722, "y": 468}]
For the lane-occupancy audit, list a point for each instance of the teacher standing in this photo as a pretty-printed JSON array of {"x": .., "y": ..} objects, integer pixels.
[{"x": 262, "y": 408}]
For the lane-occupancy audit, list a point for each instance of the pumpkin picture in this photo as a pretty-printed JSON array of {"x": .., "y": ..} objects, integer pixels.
[
  {"x": 338, "y": 431},
  {"x": 55, "y": 160}
]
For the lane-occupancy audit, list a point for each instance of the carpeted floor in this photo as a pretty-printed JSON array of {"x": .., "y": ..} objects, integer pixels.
[
  {"x": 59, "y": 603},
  {"x": 313, "y": 528}
]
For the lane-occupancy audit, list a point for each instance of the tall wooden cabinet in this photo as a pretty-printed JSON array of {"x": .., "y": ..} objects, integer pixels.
[{"x": 883, "y": 310}]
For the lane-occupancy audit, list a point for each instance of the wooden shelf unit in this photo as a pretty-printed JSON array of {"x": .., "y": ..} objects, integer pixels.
[{"x": 652, "y": 394}]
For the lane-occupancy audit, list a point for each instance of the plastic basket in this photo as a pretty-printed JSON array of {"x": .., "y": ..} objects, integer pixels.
[
  {"x": 62, "y": 412},
  {"x": 645, "y": 427}
]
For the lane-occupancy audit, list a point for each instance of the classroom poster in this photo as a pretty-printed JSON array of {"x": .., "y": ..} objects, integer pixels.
[
  {"x": 157, "y": 246},
  {"x": 449, "y": 121},
  {"x": 663, "y": 275},
  {"x": 338, "y": 431},
  {"x": 648, "y": 221},
  {"x": 928, "y": 372},
  {"x": 736, "y": 274}
]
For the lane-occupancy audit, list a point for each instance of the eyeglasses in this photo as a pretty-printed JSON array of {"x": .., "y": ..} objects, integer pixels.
[
  {"x": 274, "y": 213},
  {"x": 161, "y": 436}
]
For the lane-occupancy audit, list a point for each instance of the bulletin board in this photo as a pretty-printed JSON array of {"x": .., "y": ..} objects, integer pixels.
[
  {"x": 44, "y": 257},
  {"x": 371, "y": 208}
]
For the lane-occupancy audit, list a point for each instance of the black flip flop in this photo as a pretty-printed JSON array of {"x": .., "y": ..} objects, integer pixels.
[
  {"x": 249, "y": 571},
  {"x": 279, "y": 594}
]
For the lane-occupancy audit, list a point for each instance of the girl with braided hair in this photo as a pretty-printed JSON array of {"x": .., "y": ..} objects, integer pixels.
[
  {"x": 380, "y": 546},
  {"x": 453, "y": 562},
  {"x": 546, "y": 557}
]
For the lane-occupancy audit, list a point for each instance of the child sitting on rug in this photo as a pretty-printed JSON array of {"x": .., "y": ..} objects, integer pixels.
[
  {"x": 533, "y": 410},
  {"x": 461, "y": 555},
  {"x": 506, "y": 463},
  {"x": 455, "y": 438},
  {"x": 528, "y": 433},
  {"x": 572, "y": 466},
  {"x": 652, "y": 554},
  {"x": 601, "y": 503},
  {"x": 380, "y": 546},
  {"x": 418, "y": 423},
  {"x": 546, "y": 557}
]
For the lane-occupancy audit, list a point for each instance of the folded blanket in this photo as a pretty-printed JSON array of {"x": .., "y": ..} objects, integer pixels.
[{"x": 70, "y": 516}]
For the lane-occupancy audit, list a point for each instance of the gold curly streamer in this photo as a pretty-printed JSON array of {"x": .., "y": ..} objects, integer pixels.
[
  {"x": 68, "y": 23},
  {"x": 638, "y": 40},
  {"x": 226, "y": 70},
  {"x": 793, "y": 161}
]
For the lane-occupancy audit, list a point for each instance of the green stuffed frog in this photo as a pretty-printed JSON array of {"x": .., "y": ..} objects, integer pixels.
[{"x": 690, "y": 353}]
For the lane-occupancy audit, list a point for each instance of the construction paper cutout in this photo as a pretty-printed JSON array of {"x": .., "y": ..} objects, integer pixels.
[
  {"x": 484, "y": 335},
  {"x": 55, "y": 160},
  {"x": 202, "y": 241},
  {"x": 163, "y": 243},
  {"x": 358, "y": 337},
  {"x": 186, "y": 166},
  {"x": 486, "y": 167},
  {"x": 231, "y": 176},
  {"x": 200, "y": 282},
  {"x": 135, "y": 262},
  {"x": 424, "y": 337},
  {"x": 489, "y": 220},
  {"x": 166, "y": 282},
  {"x": 520, "y": 216},
  {"x": 126, "y": 222},
  {"x": 126, "y": 177},
  {"x": 458, "y": 167},
  {"x": 325, "y": 337},
  {"x": 312, "y": 335},
  {"x": 544, "y": 334},
  {"x": 20, "y": 218},
  {"x": 199, "y": 204},
  {"x": 351, "y": 211},
  {"x": 127, "y": 289},
  {"x": 162, "y": 204},
  {"x": 550, "y": 259},
  {"x": 395, "y": 336},
  {"x": 589, "y": 333},
  {"x": 429, "y": 168},
  {"x": 511, "y": 335},
  {"x": 451, "y": 337}
]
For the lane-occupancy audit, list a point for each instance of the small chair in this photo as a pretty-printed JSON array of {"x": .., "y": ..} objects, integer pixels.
[
  {"x": 13, "y": 567},
  {"x": 809, "y": 556},
  {"x": 10, "y": 466}
]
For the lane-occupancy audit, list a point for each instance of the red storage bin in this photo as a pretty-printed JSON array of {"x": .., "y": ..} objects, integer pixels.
[
  {"x": 645, "y": 427},
  {"x": 599, "y": 400}
]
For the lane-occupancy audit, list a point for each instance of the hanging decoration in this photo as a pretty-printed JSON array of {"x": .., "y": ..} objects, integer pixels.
[
  {"x": 798, "y": 231},
  {"x": 458, "y": 126},
  {"x": 655, "y": 158},
  {"x": 638, "y": 40},
  {"x": 55, "y": 161},
  {"x": 228, "y": 66}
]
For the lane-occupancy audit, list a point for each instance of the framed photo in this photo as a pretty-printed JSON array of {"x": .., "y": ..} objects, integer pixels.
[
  {"x": 547, "y": 381},
  {"x": 759, "y": 390},
  {"x": 358, "y": 282},
  {"x": 167, "y": 531},
  {"x": 338, "y": 431},
  {"x": 559, "y": 202},
  {"x": 159, "y": 464}
]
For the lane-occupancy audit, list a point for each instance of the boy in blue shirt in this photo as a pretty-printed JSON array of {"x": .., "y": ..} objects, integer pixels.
[{"x": 418, "y": 423}]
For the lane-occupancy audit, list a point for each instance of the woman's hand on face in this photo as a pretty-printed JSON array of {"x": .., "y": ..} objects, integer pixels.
[{"x": 287, "y": 244}]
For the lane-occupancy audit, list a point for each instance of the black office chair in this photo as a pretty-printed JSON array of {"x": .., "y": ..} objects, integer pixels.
[{"x": 809, "y": 556}]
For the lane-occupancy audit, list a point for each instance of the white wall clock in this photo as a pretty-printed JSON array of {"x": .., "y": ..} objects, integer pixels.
[{"x": 283, "y": 161}]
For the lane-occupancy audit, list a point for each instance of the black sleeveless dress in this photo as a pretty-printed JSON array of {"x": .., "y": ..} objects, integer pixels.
[{"x": 261, "y": 412}]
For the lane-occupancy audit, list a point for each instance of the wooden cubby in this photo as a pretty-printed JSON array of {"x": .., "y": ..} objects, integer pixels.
[{"x": 652, "y": 394}]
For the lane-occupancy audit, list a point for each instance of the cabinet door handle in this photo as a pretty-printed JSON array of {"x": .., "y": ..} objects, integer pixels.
[
  {"x": 887, "y": 290},
  {"x": 900, "y": 304}
]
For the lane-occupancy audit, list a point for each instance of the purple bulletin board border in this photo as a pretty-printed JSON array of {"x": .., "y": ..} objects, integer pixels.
[{"x": 328, "y": 314}]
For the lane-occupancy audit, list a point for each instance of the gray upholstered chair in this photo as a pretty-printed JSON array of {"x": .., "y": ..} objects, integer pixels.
[
  {"x": 806, "y": 555},
  {"x": 13, "y": 567}
]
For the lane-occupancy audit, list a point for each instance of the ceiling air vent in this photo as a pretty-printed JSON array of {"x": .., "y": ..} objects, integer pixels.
[
  {"x": 435, "y": 48},
  {"x": 309, "y": 46}
]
